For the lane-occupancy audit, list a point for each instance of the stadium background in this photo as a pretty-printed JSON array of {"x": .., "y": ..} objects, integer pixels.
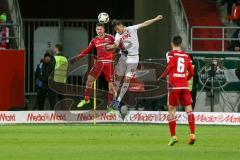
[
  {"x": 62, "y": 19},
  {"x": 64, "y": 135}
]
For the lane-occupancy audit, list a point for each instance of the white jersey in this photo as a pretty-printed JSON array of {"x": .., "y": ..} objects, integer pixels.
[
  {"x": 128, "y": 40},
  {"x": 168, "y": 56}
]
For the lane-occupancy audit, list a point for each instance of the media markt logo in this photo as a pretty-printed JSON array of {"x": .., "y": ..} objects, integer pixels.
[
  {"x": 7, "y": 117},
  {"x": 45, "y": 117}
]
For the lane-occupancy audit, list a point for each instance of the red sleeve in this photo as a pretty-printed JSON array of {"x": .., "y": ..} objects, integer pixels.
[
  {"x": 112, "y": 38},
  {"x": 86, "y": 51},
  {"x": 190, "y": 70},
  {"x": 168, "y": 68}
]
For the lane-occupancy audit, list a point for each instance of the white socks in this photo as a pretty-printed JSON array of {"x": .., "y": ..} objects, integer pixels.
[{"x": 124, "y": 89}]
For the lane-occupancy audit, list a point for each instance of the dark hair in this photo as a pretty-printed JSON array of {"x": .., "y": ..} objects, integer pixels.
[
  {"x": 116, "y": 23},
  {"x": 47, "y": 54},
  {"x": 100, "y": 25},
  {"x": 177, "y": 40},
  {"x": 59, "y": 46}
]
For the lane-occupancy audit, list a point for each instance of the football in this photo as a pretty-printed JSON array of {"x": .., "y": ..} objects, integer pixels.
[{"x": 103, "y": 17}]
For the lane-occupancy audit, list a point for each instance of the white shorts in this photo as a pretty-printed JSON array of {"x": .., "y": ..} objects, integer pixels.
[{"x": 127, "y": 66}]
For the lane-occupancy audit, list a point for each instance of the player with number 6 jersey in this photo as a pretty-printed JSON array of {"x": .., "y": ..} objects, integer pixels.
[{"x": 179, "y": 63}]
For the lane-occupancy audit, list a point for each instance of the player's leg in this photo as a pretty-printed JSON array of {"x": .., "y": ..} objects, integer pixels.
[
  {"x": 120, "y": 71},
  {"x": 172, "y": 125},
  {"x": 117, "y": 84},
  {"x": 172, "y": 105},
  {"x": 114, "y": 86},
  {"x": 191, "y": 119},
  {"x": 186, "y": 101},
  {"x": 87, "y": 92},
  {"x": 130, "y": 73},
  {"x": 131, "y": 68},
  {"x": 108, "y": 72},
  {"x": 191, "y": 124},
  {"x": 110, "y": 97},
  {"x": 92, "y": 76},
  {"x": 111, "y": 92}
]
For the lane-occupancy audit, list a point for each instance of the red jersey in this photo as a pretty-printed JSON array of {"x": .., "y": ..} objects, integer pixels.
[
  {"x": 178, "y": 65},
  {"x": 99, "y": 44}
]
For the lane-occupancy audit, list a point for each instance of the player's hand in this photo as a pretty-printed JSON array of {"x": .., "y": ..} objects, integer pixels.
[
  {"x": 159, "y": 17},
  {"x": 161, "y": 78}
]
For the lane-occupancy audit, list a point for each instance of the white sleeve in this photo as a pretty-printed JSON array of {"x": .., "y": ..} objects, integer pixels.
[
  {"x": 117, "y": 39},
  {"x": 168, "y": 57},
  {"x": 134, "y": 28}
]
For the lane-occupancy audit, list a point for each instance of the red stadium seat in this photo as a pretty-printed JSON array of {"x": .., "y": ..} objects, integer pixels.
[{"x": 204, "y": 13}]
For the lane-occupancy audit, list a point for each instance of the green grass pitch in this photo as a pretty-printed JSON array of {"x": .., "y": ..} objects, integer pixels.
[{"x": 116, "y": 142}]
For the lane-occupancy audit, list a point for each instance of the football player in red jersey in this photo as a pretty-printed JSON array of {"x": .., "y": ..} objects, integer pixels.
[
  {"x": 178, "y": 94},
  {"x": 104, "y": 63}
]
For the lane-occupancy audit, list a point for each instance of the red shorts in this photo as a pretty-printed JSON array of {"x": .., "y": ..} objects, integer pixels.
[
  {"x": 106, "y": 68},
  {"x": 178, "y": 97}
]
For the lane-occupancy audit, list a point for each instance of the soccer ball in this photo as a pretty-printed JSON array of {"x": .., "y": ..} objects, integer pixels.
[{"x": 103, "y": 17}]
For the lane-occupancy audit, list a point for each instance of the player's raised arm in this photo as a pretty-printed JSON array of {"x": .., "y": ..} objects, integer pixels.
[
  {"x": 149, "y": 22},
  {"x": 170, "y": 65}
]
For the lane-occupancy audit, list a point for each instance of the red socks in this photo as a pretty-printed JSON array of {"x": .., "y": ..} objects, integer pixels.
[
  {"x": 87, "y": 93},
  {"x": 191, "y": 122},
  {"x": 86, "y": 98},
  {"x": 172, "y": 126}
]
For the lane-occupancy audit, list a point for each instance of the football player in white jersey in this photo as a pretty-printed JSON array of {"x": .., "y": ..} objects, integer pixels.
[{"x": 126, "y": 40}]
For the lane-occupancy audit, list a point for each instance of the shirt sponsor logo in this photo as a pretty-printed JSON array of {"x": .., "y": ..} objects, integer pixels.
[
  {"x": 126, "y": 36},
  {"x": 101, "y": 44},
  {"x": 101, "y": 116}
]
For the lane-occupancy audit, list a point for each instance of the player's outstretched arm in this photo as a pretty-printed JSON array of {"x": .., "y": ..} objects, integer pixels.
[
  {"x": 170, "y": 65},
  {"x": 149, "y": 22}
]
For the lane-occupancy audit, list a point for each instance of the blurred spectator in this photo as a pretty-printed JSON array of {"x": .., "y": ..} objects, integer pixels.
[
  {"x": 233, "y": 10},
  {"x": 235, "y": 44},
  {"x": 43, "y": 71},
  {"x": 229, "y": 6},
  {"x": 4, "y": 32},
  {"x": 60, "y": 67},
  {"x": 60, "y": 64}
]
